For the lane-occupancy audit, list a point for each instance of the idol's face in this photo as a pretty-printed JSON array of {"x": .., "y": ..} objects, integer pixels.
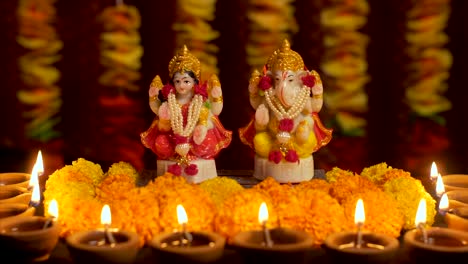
[{"x": 183, "y": 83}]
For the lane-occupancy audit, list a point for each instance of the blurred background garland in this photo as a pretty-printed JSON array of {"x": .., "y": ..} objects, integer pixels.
[{"x": 96, "y": 106}]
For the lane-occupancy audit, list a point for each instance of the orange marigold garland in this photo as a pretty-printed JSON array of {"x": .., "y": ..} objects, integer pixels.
[
  {"x": 192, "y": 27},
  {"x": 41, "y": 95},
  {"x": 429, "y": 63},
  {"x": 271, "y": 22}
]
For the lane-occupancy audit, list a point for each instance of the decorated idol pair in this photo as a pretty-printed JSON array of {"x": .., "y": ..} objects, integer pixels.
[{"x": 186, "y": 134}]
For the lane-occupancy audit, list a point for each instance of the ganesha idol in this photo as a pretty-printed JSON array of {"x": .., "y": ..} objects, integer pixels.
[
  {"x": 186, "y": 135},
  {"x": 286, "y": 129}
]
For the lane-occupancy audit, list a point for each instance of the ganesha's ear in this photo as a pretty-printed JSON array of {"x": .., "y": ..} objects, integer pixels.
[{"x": 302, "y": 73}]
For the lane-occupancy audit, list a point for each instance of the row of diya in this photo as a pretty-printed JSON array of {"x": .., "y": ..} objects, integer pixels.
[{"x": 26, "y": 233}]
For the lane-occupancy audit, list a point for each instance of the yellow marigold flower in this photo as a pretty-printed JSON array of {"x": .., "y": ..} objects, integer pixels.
[
  {"x": 336, "y": 173},
  {"x": 220, "y": 188},
  {"x": 123, "y": 168},
  {"x": 376, "y": 172},
  {"x": 239, "y": 213},
  {"x": 88, "y": 168},
  {"x": 314, "y": 184},
  {"x": 347, "y": 186},
  {"x": 322, "y": 215},
  {"x": 115, "y": 187},
  {"x": 284, "y": 200},
  {"x": 381, "y": 211},
  {"x": 408, "y": 192},
  {"x": 77, "y": 215},
  {"x": 197, "y": 203}
]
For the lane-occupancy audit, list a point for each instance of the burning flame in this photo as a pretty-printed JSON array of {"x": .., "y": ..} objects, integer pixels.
[
  {"x": 53, "y": 209},
  {"x": 263, "y": 213},
  {"x": 38, "y": 169},
  {"x": 359, "y": 214},
  {"x": 434, "y": 171},
  {"x": 444, "y": 202},
  {"x": 421, "y": 213},
  {"x": 106, "y": 218},
  {"x": 181, "y": 215},
  {"x": 36, "y": 194},
  {"x": 440, "y": 189}
]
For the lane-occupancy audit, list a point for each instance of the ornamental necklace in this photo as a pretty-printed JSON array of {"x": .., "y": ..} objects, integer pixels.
[
  {"x": 177, "y": 119},
  {"x": 277, "y": 107}
]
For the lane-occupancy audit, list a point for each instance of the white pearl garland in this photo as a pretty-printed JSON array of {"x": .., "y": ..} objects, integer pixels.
[
  {"x": 277, "y": 107},
  {"x": 177, "y": 119}
]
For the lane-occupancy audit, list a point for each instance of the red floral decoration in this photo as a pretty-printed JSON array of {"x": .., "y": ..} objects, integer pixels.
[
  {"x": 265, "y": 83},
  {"x": 191, "y": 169},
  {"x": 308, "y": 81},
  {"x": 201, "y": 90},
  {"x": 178, "y": 139},
  {"x": 291, "y": 156},
  {"x": 174, "y": 169},
  {"x": 166, "y": 90},
  {"x": 275, "y": 156},
  {"x": 286, "y": 124}
]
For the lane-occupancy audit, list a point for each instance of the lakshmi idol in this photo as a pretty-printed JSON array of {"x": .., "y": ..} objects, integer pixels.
[
  {"x": 286, "y": 129},
  {"x": 186, "y": 134}
]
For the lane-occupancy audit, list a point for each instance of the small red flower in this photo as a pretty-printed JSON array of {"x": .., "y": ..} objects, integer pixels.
[
  {"x": 291, "y": 156},
  {"x": 275, "y": 156},
  {"x": 201, "y": 90},
  {"x": 166, "y": 90},
  {"x": 191, "y": 169},
  {"x": 286, "y": 124},
  {"x": 265, "y": 83},
  {"x": 174, "y": 169},
  {"x": 308, "y": 81},
  {"x": 178, "y": 139}
]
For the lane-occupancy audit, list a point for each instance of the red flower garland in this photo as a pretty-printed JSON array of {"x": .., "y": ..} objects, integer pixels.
[
  {"x": 286, "y": 124},
  {"x": 174, "y": 169},
  {"x": 275, "y": 156},
  {"x": 201, "y": 90},
  {"x": 265, "y": 83},
  {"x": 191, "y": 169},
  {"x": 308, "y": 81},
  {"x": 166, "y": 90},
  {"x": 291, "y": 156}
]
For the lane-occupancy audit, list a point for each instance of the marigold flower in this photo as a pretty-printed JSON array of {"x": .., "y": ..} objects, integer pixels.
[
  {"x": 333, "y": 174},
  {"x": 347, "y": 186},
  {"x": 220, "y": 188}
]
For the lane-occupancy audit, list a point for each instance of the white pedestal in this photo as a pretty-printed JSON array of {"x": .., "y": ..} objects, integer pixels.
[
  {"x": 206, "y": 170},
  {"x": 284, "y": 172}
]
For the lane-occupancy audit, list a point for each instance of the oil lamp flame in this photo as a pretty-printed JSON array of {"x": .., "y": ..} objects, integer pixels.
[
  {"x": 53, "y": 209},
  {"x": 359, "y": 215},
  {"x": 106, "y": 218},
  {"x": 36, "y": 194},
  {"x": 440, "y": 189},
  {"x": 421, "y": 213},
  {"x": 39, "y": 164},
  {"x": 181, "y": 215},
  {"x": 434, "y": 171},
  {"x": 263, "y": 213},
  {"x": 444, "y": 203}
]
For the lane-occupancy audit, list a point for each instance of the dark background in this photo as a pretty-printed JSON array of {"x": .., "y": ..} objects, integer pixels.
[{"x": 390, "y": 134}]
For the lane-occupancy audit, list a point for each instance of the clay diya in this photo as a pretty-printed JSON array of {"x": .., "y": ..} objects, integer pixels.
[
  {"x": 15, "y": 195},
  {"x": 435, "y": 244},
  {"x": 457, "y": 198},
  {"x": 8, "y": 210},
  {"x": 28, "y": 238},
  {"x": 185, "y": 246},
  {"x": 277, "y": 245},
  {"x": 360, "y": 247},
  {"x": 105, "y": 245},
  {"x": 457, "y": 218},
  {"x": 455, "y": 182},
  {"x": 14, "y": 179}
]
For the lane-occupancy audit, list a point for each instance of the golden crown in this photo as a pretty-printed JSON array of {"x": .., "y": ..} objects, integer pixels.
[
  {"x": 184, "y": 61},
  {"x": 284, "y": 59}
]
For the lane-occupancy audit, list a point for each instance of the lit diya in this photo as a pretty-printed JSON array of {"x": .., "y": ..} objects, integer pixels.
[
  {"x": 29, "y": 238},
  {"x": 435, "y": 244},
  {"x": 277, "y": 245},
  {"x": 105, "y": 245},
  {"x": 14, "y": 179},
  {"x": 455, "y": 218},
  {"x": 184, "y": 246},
  {"x": 360, "y": 247}
]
